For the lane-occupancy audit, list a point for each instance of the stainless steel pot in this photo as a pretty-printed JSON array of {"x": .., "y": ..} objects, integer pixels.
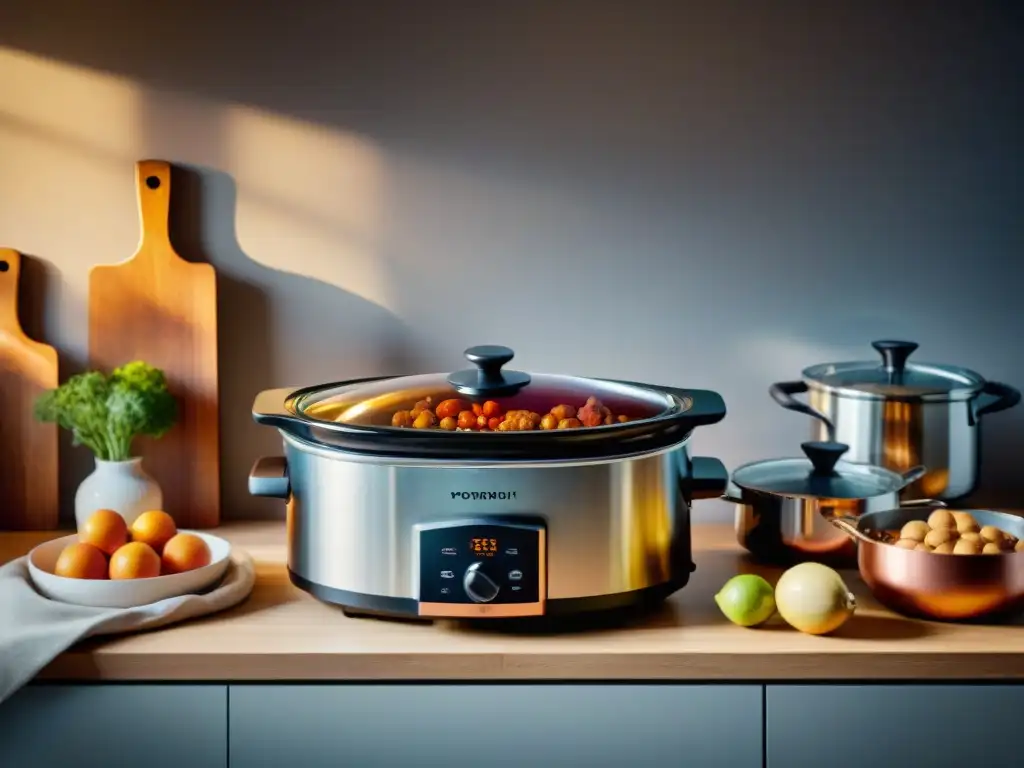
[
  {"x": 898, "y": 415},
  {"x": 487, "y": 522},
  {"x": 784, "y": 506}
]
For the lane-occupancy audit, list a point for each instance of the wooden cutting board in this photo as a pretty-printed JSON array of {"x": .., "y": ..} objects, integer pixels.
[
  {"x": 29, "y": 481},
  {"x": 159, "y": 308}
]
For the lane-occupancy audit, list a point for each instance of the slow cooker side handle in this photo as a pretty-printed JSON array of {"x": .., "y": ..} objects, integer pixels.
[
  {"x": 782, "y": 393},
  {"x": 269, "y": 477},
  {"x": 708, "y": 478},
  {"x": 706, "y": 406},
  {"x": 270, "y": 408}
]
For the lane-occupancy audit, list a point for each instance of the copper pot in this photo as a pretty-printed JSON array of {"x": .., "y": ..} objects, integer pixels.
[{"x": 937, "y": 586}]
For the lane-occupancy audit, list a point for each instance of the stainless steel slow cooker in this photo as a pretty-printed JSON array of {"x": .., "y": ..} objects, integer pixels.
[
  {"x": 488, "y": 492},
  {"x": 899, "y": 415}
]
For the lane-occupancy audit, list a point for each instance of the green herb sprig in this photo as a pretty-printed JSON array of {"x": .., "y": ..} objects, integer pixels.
[{"x": 106, "y": 413}]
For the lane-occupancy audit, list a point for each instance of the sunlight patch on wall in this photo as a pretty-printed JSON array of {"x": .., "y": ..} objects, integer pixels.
[
  {"x": 68, "y": 137},
  {"x": 309, "y": 200},
  {"x": 82, "y": 106}
]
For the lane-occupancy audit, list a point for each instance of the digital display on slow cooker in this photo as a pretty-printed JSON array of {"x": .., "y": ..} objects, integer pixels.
[{"x": 484, "y": 546}]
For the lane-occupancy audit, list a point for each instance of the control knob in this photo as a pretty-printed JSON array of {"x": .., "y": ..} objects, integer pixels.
[{"x": 480, "y": 587}]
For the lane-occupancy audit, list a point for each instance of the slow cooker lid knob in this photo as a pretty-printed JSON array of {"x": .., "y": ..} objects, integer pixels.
[{"x": 488, "y": 379}]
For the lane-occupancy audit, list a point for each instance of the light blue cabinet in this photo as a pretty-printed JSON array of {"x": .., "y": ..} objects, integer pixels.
[
  {"x": 505, "y": 725},
  {"x": 498, "y": 726},
  {"x": 99, "y": 726},
  {"x": 852, "y": 726}
]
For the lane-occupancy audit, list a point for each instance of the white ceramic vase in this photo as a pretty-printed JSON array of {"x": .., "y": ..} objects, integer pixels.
[{"x": 122, "y": 486}]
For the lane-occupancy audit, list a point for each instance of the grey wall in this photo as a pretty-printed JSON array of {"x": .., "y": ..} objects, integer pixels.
[{"x": 704, "y": 194}]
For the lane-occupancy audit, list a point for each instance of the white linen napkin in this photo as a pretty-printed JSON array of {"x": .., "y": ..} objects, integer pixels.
[{"x": 35, "y": 630}]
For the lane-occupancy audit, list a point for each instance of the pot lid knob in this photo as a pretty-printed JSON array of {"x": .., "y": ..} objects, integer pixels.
[
  {"x": 824, "y": 455},
  {"x": 488, "y": 378},
  {"x": 894, "y": 355}
]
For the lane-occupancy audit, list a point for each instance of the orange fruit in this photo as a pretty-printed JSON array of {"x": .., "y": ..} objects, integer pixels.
[
  {"x": 81, "y": 561},
  {"x": 185, "y": 552},
  {"x": 135, "y": 560},
  {"x": 155, "y": 528},
  {"x": 105, "y": 529}
]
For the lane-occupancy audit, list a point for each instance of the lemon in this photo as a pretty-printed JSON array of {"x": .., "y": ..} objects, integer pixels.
[
  {"x": 746, "y": 600},
  {"x": 814, "y": 599}
]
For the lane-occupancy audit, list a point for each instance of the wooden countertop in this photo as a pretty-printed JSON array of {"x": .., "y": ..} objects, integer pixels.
[{"x": 281, "y": 633}]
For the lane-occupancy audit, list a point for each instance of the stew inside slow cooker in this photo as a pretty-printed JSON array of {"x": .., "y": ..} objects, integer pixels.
[{"x": 459, "y": 415}]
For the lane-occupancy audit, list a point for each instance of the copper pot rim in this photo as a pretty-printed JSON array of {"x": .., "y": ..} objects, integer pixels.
[{"x": 906, "y": 513}]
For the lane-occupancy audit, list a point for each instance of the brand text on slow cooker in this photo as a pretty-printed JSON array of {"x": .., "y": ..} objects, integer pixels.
[{"x": 481, "y": 495}]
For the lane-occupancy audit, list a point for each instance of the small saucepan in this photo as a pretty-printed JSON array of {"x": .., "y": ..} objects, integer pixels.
[
  {"x": 947, "y": 587},
  {"x": 784, "y": 505}
]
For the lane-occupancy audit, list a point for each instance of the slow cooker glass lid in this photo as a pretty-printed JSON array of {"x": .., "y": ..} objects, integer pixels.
[{"x": 568, "y": 402}]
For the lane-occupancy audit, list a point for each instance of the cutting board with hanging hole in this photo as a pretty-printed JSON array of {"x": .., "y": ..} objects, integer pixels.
[
  {"x": 29, "y": 481},
  {"x": 162, "y": 309}
]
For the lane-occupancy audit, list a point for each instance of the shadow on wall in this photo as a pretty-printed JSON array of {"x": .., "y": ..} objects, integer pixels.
[
  {"x": 40, "y": 287},
  {"x": 250, "y": 338},
  {"x": 251, "y": 298}
]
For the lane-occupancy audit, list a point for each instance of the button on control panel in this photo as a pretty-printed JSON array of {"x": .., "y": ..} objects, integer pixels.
[{"x": 482, "y": 568}]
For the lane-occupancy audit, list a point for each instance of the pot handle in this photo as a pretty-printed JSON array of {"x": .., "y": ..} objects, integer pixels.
[
  {"x": 782, "y": 393},
  {"x": 997, "y": 397},
  {"x": 937, "y": 503},
  {"x": 708, "y": 477},
  {"x": 269, "y": 477},
  {"x": 913, "y": 474},
  {"x": 848, "y": 525}
]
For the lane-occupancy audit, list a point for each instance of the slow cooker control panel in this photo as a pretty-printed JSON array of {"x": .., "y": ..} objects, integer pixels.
[{"x": 482, "y": 569}]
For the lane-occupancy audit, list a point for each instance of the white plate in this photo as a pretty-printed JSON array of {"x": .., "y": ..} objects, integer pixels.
[{"x": 123, "y": 593}]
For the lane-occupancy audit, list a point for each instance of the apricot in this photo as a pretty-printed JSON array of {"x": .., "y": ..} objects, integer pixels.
[
  {"x": 105, "y": 529},
  {"x": 81, "y": 561},
  {"x": 185, "y": 552},
  {"x": 135, "y": 560},
  {"x": 155, "y": 528}
]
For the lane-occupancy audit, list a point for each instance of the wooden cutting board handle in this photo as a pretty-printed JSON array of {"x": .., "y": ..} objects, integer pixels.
[
  {"x": 10, "y": 278},
  {"x": 40, "y": 360},
  {"x": 153, "y": 181}
]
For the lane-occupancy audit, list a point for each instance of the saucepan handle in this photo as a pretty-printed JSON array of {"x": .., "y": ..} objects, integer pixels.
[
  {"x": 849, "y": 526},
  {"x": 782, "y": 393},
  {"x": 708, "y": 477},
  {"x": 913, "y": 474},
  {"x": 269, "y": 477}
]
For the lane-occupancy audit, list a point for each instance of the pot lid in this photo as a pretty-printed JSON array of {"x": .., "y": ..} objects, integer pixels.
[
  {"x": 894, "y": 377},
  {"x": 820, "y": 474},
  {"x": 488, "y": 398}
]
